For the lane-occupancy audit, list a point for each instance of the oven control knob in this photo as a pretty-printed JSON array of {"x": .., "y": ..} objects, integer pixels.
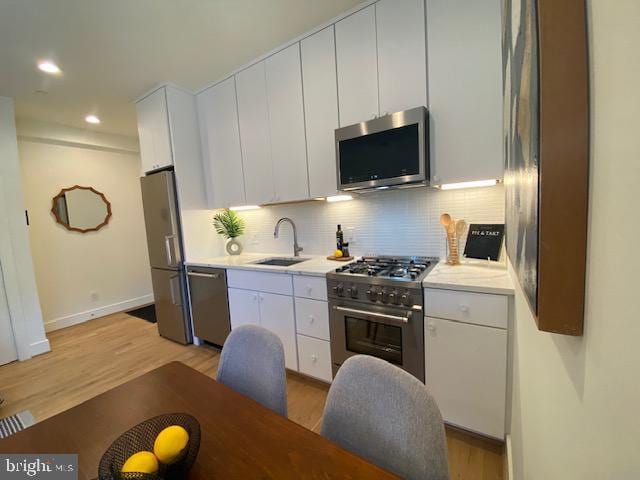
[
  {"x": 371, "y": 294},
  {"x": 385, "y": 296},
  {"x": 406, "y": 299},
  {"x": 353, "y": 291},
  {"x": 393, "y": 297},
  {"x": 339, "y": 290}
]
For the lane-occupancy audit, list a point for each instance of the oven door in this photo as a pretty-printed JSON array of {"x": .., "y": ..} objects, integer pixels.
[{"x": 390, "y": 333}]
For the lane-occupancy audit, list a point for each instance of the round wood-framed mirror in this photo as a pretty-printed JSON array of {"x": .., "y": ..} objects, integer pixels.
[{"x": 81, "y": 209}]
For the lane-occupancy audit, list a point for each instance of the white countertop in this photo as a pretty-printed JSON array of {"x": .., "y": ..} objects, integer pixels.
[
  {"x": 471, "y": 276},
  {"x": 316, "y": 265}
]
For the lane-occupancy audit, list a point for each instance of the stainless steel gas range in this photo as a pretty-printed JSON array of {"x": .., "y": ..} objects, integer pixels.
[{"x": 375, "y": 308}]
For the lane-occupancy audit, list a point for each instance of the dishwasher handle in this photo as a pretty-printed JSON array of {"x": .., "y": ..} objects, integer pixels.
[{"x": 204, "y": 275}]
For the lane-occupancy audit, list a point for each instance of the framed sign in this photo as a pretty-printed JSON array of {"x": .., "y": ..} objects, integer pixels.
[{"x": 484, "y": 241}]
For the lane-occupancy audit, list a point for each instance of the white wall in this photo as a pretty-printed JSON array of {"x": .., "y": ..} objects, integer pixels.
[
  {"x": 399, "y": 222},
  {"x": 82, "y": 276},
  {"x": 17, "y": 266},
  {"x": 576, "y": 400}
]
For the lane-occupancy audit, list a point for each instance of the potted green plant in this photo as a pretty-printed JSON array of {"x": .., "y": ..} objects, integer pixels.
[{"x": 230, "y": 226}]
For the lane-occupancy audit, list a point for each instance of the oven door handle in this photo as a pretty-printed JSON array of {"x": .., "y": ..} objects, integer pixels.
[{"x": 385, "y": 316}]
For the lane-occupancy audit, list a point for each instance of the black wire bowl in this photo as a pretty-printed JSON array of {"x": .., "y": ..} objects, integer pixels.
[{"x": 141, "y": 438}]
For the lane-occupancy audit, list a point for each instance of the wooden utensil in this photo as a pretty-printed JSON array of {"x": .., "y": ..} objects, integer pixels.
[{"x": 445, "y": 221}]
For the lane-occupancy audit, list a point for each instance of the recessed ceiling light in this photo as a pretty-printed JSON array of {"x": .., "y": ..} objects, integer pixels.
[
  {"x": 49, "y": 67},
  {"x": 92, "y": 119}
]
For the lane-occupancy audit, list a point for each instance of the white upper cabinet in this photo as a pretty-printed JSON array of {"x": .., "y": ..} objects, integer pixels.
[
  {"x": 357, "y": 66},
  {"x": 286, "y": 125},
  {"x": 253, "y": 114},
  {"x": 321, "y": 110},
  {"x": 272, "y": 140},
  {"x": 465, "y": 90},
  {"x": 169, "y": 136},
  {"x": 153, "y": 131},
  {"x": 185, "y": 147},
  {"x": 220, "y": 135},
  {"x": 402, "y": 68}
]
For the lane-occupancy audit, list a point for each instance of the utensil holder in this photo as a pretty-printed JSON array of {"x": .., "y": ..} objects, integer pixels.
[{"x": 453, "y": 254}]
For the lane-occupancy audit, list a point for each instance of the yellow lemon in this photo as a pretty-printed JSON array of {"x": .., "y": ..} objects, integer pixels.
[
  {"x": 337, "y": 254},
  {"x": 169, "y": 443},
  {"x": 141, "y": 462}
]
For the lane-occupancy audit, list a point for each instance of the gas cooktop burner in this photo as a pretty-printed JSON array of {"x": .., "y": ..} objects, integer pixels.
[{"x": 400, "y": 268}]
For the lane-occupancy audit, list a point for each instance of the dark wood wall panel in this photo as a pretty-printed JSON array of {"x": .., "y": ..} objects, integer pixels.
[{"x": 564, "y": 165}]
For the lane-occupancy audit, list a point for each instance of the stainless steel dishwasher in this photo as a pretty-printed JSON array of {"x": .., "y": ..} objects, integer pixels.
[{"x": 209, "y": 304}]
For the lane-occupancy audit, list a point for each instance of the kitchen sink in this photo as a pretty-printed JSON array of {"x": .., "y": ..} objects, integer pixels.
[{"x": 280, "y": 262}]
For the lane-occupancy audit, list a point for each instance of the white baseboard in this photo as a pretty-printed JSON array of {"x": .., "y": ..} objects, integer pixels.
[
  {"x": 37, "y": 348},
  {"x": 507, "y": 444},
  {"x": 76, "y": 318}
]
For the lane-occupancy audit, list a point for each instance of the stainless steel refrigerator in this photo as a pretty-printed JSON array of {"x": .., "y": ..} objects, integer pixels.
[{"x": 162, "y": 221}]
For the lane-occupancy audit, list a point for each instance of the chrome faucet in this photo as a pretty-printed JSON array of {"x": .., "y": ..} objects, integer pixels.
[{"x": 296, "y": 248}]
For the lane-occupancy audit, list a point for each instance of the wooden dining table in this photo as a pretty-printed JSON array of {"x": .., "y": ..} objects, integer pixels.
[{"x": 240, "y": 439}]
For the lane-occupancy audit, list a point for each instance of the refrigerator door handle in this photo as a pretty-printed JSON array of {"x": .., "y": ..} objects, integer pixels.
[
  {"x": 172, "y": 290},
  {"x": 168, "y": 249}
]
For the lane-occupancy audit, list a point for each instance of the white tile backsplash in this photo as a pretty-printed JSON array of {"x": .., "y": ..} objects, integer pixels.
[{"x": 396, "y": 222}]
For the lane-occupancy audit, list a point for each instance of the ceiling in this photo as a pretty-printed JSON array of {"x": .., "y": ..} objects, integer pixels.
[{"x": 112, "y": 51}]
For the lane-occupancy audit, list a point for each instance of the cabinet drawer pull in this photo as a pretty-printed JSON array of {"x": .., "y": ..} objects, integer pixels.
[
  {"x": 311, "y": 319},
  {"x": 314, "y": 358},
  {"x": 464, "y": 308}
]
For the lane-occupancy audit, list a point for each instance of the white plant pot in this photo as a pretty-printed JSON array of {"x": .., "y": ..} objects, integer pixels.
[{"x": 233, "y": 246}]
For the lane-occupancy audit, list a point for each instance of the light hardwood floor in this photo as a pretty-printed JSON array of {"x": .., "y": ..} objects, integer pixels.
[{"x": 98, "y": 355}]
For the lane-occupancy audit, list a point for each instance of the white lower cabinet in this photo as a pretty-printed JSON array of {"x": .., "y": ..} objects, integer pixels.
[
  {"x": 315, "y": 357},
  {"x": 272, "y": 311},
  {"x": 312, "y": 326},
  {"x": 244, "y": 308},
  {"x": 466, "y": 372},
  {"x": 302, "y": 324},
  {"x": 276, "y": 314},
  {"x": 312, "y": 318}
]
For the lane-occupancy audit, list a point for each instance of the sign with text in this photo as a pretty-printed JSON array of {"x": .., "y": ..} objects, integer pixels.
[
  {"x": 484, "y": 241},
  {"x": 39, "y": 466}
]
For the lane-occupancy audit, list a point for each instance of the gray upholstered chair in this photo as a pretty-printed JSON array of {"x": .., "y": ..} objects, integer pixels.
[
  {"x": 252, "y": 363},
  {"x": 388, "y": 417}
]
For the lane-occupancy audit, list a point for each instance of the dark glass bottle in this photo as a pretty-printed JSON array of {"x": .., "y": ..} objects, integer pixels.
[{"x": 339, "y": 238}]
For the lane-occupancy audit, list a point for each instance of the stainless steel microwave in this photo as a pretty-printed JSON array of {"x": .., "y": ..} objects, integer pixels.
[{"x": 386, "y": 152}]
